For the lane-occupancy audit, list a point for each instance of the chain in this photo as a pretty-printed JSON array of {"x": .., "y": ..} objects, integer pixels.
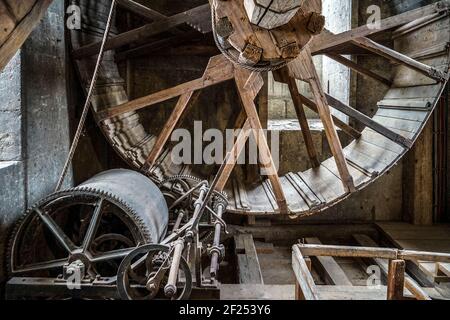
[{"x": 87, "y": 103}]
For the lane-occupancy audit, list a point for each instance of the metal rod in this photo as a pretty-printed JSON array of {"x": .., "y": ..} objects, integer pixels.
[
  {"x": 170, "y": 290},
  {"x": 178, "y": 221},
  {"x": 215, "y": 255}
]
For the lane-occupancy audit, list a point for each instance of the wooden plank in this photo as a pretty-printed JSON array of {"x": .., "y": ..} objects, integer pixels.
[
  {"x": 396, "y": 280},
  {"x": 245, "y": 82},
  {"x": 247, "y": 260},
  {"x": 21, "y": 31},
  {"x": 145, "y": 32},
  {"x": 303, "y": 69},
  {"x": 306, "y": 284},
  {"x": 332, "y": 271},
  {"x": 372, "y": 124},
  {"x": 359, "y": 69},
  {"x": 218, "y": 70},
  {"x": 410, "y": 284},
  {"x": 327, "y": 41},
  {"x": 183, "y": 103}
]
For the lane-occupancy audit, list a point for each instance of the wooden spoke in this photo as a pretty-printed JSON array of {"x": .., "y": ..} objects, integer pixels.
[
  {"x": 248, "y": 85},
  {"x": 219, "y": 70},
  {"x": 185, "y": 100},
  {"x": 301, "y": 115},
  {"x": 326, "y": 41},
  {"x": 303, "y": 68},
  {"x": 369, "y": 122},
  {"x": 234, "y": 155},
  {"x": 192, "y": 16},
  {"x": 357, "y": 68},
  {"x": 396, "y": 280},
  {"x": 398, "y": 57}
]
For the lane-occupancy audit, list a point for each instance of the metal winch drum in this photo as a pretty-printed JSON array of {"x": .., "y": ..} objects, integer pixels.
[{"x": 94, "y": 225}]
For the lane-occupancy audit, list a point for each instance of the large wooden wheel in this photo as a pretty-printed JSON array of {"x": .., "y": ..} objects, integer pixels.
[{"x": 420, "y": 54}]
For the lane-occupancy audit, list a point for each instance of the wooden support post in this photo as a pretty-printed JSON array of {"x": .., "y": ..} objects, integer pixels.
[
  {"x": 248, "y": 85},
  {"x": 306, "y": 288},
  {"x": 303, "y": 68},
  {"x": 396, "y": 280},
  {"x": 298, "y": 290}
]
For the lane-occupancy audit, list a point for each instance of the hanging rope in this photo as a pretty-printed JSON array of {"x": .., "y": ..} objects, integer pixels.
[{"x": 87, "y": 103}]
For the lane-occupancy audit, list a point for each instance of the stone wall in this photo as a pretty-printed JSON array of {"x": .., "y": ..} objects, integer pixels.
[{"x": 34, "y": 122}]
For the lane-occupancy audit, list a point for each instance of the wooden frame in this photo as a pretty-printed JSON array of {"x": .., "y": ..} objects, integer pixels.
[{"x": 396, "y": 269}]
